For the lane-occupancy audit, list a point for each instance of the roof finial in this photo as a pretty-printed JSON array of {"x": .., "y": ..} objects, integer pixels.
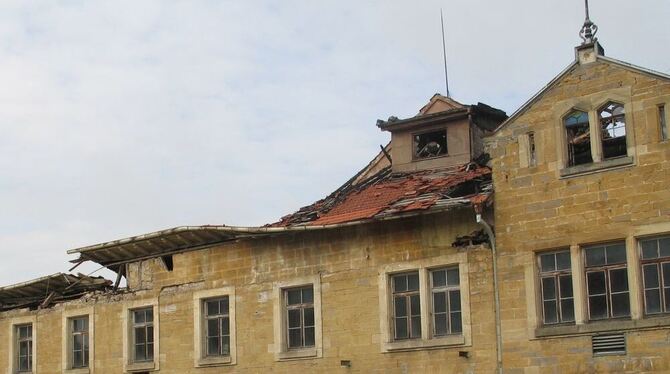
[{"x": 589, "y": 29}]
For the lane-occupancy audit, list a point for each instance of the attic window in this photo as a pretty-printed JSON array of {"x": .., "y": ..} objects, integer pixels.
[
  {"x": 613, "y": 124},
  {"x": 430, "y": 144},
  {"x": 578, "y": 137}
]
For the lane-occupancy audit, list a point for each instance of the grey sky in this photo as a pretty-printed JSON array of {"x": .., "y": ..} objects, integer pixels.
[{"x": 121, "y": 118}]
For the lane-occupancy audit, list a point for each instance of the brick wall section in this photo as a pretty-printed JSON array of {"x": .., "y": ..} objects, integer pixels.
[
  {"x": 348, "y": 260},
  {"x": 535, "y": 209}
]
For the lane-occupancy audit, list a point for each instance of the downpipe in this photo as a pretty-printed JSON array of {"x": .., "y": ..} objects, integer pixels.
[{"x": 496, "y": 293}]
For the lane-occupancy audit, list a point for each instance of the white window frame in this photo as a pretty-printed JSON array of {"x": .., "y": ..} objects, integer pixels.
[
  {"x": 66, "y": 354},
  {"x": 13, "y": 340},
  {"x": 129, "y": 366},
  {"x": 279, "y": 320},
  {"x": 427, "y": 340},
  {"x": 200, "y": 358}
]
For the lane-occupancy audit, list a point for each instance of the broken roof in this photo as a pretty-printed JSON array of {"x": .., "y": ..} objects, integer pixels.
[
  {"x": 386, "y": 194},
  {"x": 50, "y": 289}
]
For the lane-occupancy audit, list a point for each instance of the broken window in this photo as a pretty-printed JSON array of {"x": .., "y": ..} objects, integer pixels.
[
  {"x": 300, "y": 326},
  {"x": 430, "y": 144},
  {"x": 655, "y": 259},
  {"x": 143, "y": 334},
  {"x": 662, "y": 122},
  {"x": 24, "y": 343},
  {"x": 406, "y": 306},
  {"x": 578, "y": 138},
  {"x": 556, "y": 287},
  {"x": 613, "y": 130},
  {"x": 607, "y": 281},
  {"x": 79, "y": 354},
  {"x": 217, "y": 322},
  {"x": 446, "y": 300}
]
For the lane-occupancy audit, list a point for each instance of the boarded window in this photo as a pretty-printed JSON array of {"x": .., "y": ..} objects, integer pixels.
[
  {"x": 607, "y": 281},
  {"x": 430, "y": 144},
  {"x": 24, "y": 343},
  {"x": 446, "y": 302},
  {"x": 655, "y": 260},
  {"x": 143, "y": 334},
  {"x": 300, "y": 326},
  {"x": 556, "y": 287},
  {"x": 79, "y": 355},
  {"x": 406, "y": 306},
  {"x": 578, "y": 137},
  {"x": 613, "y": 130},
  {"x": 217, "y": 327}
]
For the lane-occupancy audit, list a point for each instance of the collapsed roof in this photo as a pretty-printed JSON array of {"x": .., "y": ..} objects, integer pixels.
[{"x": 44, "y": 291}]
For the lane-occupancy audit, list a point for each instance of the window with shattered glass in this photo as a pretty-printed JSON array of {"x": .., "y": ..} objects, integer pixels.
[
  {"x": 578, "y": 138},
  {"x": 430, "y": 144},
  {"x": 613, "y": 130}
]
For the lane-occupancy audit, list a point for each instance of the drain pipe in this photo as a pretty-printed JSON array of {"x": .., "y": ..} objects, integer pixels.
[{"x": 496, "y": 293}]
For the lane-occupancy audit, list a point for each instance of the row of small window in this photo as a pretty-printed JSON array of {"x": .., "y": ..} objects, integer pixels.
[{"x": 606, "y": 275}]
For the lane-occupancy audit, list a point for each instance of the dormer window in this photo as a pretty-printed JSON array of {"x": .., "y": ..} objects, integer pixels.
[
  {"x": 579, "y": 138},
  {"x": 430, "y": 144},
  {"x": 613, "y": 130}
]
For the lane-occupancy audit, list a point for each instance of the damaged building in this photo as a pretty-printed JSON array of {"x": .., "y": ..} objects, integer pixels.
[{"x": 412, "y": 265}]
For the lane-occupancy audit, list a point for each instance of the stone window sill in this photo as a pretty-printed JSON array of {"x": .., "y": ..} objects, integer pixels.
[
  {"x": 602, "y": 326},
  {"x": 419, "y": 344},
  {"x": 297, "y": 354},
  {"x": 140, "y": 366},
  {"x": 77, "y": 371},
  {"x": 214, "y": 361},
  {"x": 596, "y": 167}
]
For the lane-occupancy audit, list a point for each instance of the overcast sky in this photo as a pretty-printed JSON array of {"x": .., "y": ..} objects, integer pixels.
[{"x": 122, "y": 118}]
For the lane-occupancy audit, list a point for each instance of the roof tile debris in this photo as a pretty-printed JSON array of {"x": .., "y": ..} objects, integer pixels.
[{"x": 387, "y": 193}]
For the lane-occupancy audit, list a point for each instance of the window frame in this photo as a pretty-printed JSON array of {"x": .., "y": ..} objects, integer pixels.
[
  {"x": 612, "y": 119},
  {"x": 428, "y": 339},
  {"x": 556, "y": 275},
  {"x": 66, "y": 356},
  {"x": 280, "y": 323},
  {"x": 658, "y": 262},
  {"x": 606, "y": 269},
  {"x": 13, "y": 340},
  {"x": 200, "y": 357},
  {"x": 415, "y": 157},
  {"x": 129, "y": 362},
  {"x": 447, "y": 290}
]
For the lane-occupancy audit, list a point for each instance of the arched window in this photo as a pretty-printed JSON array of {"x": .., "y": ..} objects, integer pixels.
[
  {"x": 613, "y": 130},
  {"x": 578, "y": 137}
]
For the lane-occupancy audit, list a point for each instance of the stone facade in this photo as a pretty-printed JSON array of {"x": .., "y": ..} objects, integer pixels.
[
  {"x": 543, "y": 204},
  {"x": 348, "y": 263}
]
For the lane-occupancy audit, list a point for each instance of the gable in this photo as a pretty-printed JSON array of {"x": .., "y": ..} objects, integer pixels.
[{"x": 439, "y": 103}]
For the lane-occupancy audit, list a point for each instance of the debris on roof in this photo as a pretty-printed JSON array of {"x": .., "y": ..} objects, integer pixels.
[
  {"x": 474, "y": 238},
  {"x": 45, "y": 291},
  {"x": 386, "y": 194}
]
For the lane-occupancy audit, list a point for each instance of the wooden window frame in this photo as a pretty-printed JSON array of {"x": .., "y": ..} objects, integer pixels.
[
  {"x": 556, "y": 275},
  {"x": 659, "y": 262},
  {"x": 301, "y": 307},
  {"x": 606, "y": 269},
  {"x": 200, "y": 357},
  {"x": 407, "y": 295},
  {"x": 447, "y": 289}
]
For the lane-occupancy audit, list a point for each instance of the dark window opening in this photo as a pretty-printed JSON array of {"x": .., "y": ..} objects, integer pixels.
[
  {"x": 607, "y": 281},
  {"x": 406, "y": 306},
  {"x": 532, "y": 156},
  {"x": 655, "y": 259},
  {"x": 300, "y": 324},
  {"x": 558, "y": 304},
  {"x": 661, "y": 122},
  {"x": 168, "y": 262},
  {"x": 578, "y": 138},
  {"x": 430, "y": 144},
  {"x": 613, "y": 130}
]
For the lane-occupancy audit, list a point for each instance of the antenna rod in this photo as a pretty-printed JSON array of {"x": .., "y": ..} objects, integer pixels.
[{"x": 444, "y": 54}]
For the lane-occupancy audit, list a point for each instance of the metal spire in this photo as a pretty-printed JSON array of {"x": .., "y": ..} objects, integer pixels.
[
  {"x": 589, "y": 29},
  {"x": 444, "y": 54}
]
